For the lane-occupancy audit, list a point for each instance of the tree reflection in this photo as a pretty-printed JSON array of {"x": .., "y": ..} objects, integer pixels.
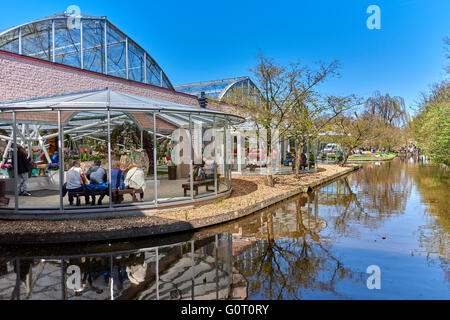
[
  {"x": 367, "y": 198},
  {"x": 383, "y": 189},
  {"x": 433, "y": 184},
  {"x": 290, "y": 265}
]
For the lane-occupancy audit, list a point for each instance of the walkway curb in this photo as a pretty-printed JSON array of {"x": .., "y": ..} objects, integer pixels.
[{"x": 161, "y": 226}]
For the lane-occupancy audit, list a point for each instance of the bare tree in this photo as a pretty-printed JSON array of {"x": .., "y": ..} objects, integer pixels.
[
  {"x": 355, "y": 130},
  {"x": 269, "y": 107}
]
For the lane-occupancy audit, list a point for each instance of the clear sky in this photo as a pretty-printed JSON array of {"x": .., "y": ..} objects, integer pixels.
[{"x": 207, "y": 40}]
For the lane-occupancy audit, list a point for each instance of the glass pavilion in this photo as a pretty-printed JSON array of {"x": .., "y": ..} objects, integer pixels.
[{"x": 56, "y": 130}]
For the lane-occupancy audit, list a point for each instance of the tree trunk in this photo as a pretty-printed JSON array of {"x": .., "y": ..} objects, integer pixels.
[
  {"x": 269, "y": 180},
  {"x": 298, "y": 157},
  {"x": 269, "y": 177},
  {"x": 344, "y": 161}
]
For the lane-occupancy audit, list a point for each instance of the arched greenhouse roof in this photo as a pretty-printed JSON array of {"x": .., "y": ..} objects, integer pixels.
[
  {"x": 217, "y": 89},
  {"x": 94, "y": 45}
]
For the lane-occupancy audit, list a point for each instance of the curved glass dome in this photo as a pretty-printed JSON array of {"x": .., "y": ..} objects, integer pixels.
[
  {"x": 217, "y": 89},
  {"x": 94, "y": 44}
]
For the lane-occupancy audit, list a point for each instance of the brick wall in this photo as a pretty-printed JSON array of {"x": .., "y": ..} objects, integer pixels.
[{"x": 23, "y": 77}]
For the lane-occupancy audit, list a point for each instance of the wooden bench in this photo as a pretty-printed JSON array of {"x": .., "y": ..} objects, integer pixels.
[
  {"x": 116, "y": 193},
  {"x": 187, "y": 186},
  {"x": 77, "y": 196}
]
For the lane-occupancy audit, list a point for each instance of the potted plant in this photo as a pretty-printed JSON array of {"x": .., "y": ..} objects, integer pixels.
[{"x": 7, "y": 170}]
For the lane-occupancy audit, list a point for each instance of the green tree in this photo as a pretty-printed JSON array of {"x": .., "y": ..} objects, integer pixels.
[{"x": 432, "y": 130}]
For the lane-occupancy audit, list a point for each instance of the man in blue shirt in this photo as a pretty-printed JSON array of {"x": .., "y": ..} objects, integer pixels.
[{"x": 97, "y": 176}]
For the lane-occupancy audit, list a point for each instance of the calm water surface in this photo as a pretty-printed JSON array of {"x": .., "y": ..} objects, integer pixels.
[{"x": 318, "y": 246}]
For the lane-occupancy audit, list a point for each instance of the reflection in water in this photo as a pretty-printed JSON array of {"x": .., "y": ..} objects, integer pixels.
[
  {"x": 200, "y": 269},
  {"x": 319, "y": 245}
]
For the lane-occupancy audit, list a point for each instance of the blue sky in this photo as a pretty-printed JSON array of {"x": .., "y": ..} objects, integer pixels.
[{"x": 206, "y": 40}]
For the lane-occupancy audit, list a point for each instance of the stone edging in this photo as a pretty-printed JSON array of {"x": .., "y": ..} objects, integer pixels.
[
  {"x": 162, "y": 226},
  {"x": 369, "y": 160}
]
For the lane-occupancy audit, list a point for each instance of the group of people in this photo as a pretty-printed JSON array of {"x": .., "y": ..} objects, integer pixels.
[{"x": 76, "y": 181}]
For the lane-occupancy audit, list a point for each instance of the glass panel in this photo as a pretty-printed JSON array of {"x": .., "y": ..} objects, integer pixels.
[
  {"x": 10, "y": 41},
  {"x": 222, "y": 160},
  {"x": 203, "y": 142},
  {"x": 37, "y": 40},
  {"x": 116, "y": 52},
  {"x": 153, "y": 74},
  {"x": 94, "y": 45},
  {"x": 135, "y": 62},
  {"x": 32, "y": 279},
  {"x": 89, "y": 278},
  {"x": 173, "y": 164},
  {"x": 166, "y": 83},
  {"x": 67, "y": 44},
  {"x": 132, "y": 159},
  {"x": 7, "y": 199},
  {"x": 38, "y": 161},
  {"x": 86, "y": 159}
]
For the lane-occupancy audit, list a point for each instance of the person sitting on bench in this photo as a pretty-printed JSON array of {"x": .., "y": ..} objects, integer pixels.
[
  {"x": 117, "y": 181},
  {"x": 98, "y": 179},
  {"x": 135, "y": 179},
  {"x": 209, "y": 168},
  {"x": 75, "y": 182},
  {"x": 201, "y": 175}
]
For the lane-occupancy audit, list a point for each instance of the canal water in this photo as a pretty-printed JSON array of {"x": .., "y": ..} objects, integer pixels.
[{"x": 379, "y": 233}]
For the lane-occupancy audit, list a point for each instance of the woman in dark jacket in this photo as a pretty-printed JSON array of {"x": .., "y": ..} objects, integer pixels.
[{"x": 23, "y": 169}]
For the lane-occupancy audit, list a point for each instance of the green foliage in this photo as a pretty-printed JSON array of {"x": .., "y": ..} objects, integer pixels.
[
  {"x": 128, "y": 135},
  {"x": 432, "y": 131}
]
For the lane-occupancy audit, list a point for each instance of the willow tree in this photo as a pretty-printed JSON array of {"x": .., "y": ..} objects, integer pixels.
[
  {"x": 392, "y": 112},
  {"x": 268, "y": 107},
  {"x": 390, "y": 109}
]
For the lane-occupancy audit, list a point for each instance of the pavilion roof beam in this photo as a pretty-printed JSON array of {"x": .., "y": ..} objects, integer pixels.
[{"x": 87, "y": 126}]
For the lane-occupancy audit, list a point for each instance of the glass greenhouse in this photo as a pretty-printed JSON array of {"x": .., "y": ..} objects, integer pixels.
[
  {"x": 182, "y": 151},
  {"x": 217, "y": 89},
  {"x": 94, "y": 44}
]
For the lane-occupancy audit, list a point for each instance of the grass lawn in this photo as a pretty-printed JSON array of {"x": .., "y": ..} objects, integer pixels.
[{"x": 379, "y": 156}]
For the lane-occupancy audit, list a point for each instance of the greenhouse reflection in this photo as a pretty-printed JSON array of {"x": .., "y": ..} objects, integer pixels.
[{"x": 197, "y": 269}]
